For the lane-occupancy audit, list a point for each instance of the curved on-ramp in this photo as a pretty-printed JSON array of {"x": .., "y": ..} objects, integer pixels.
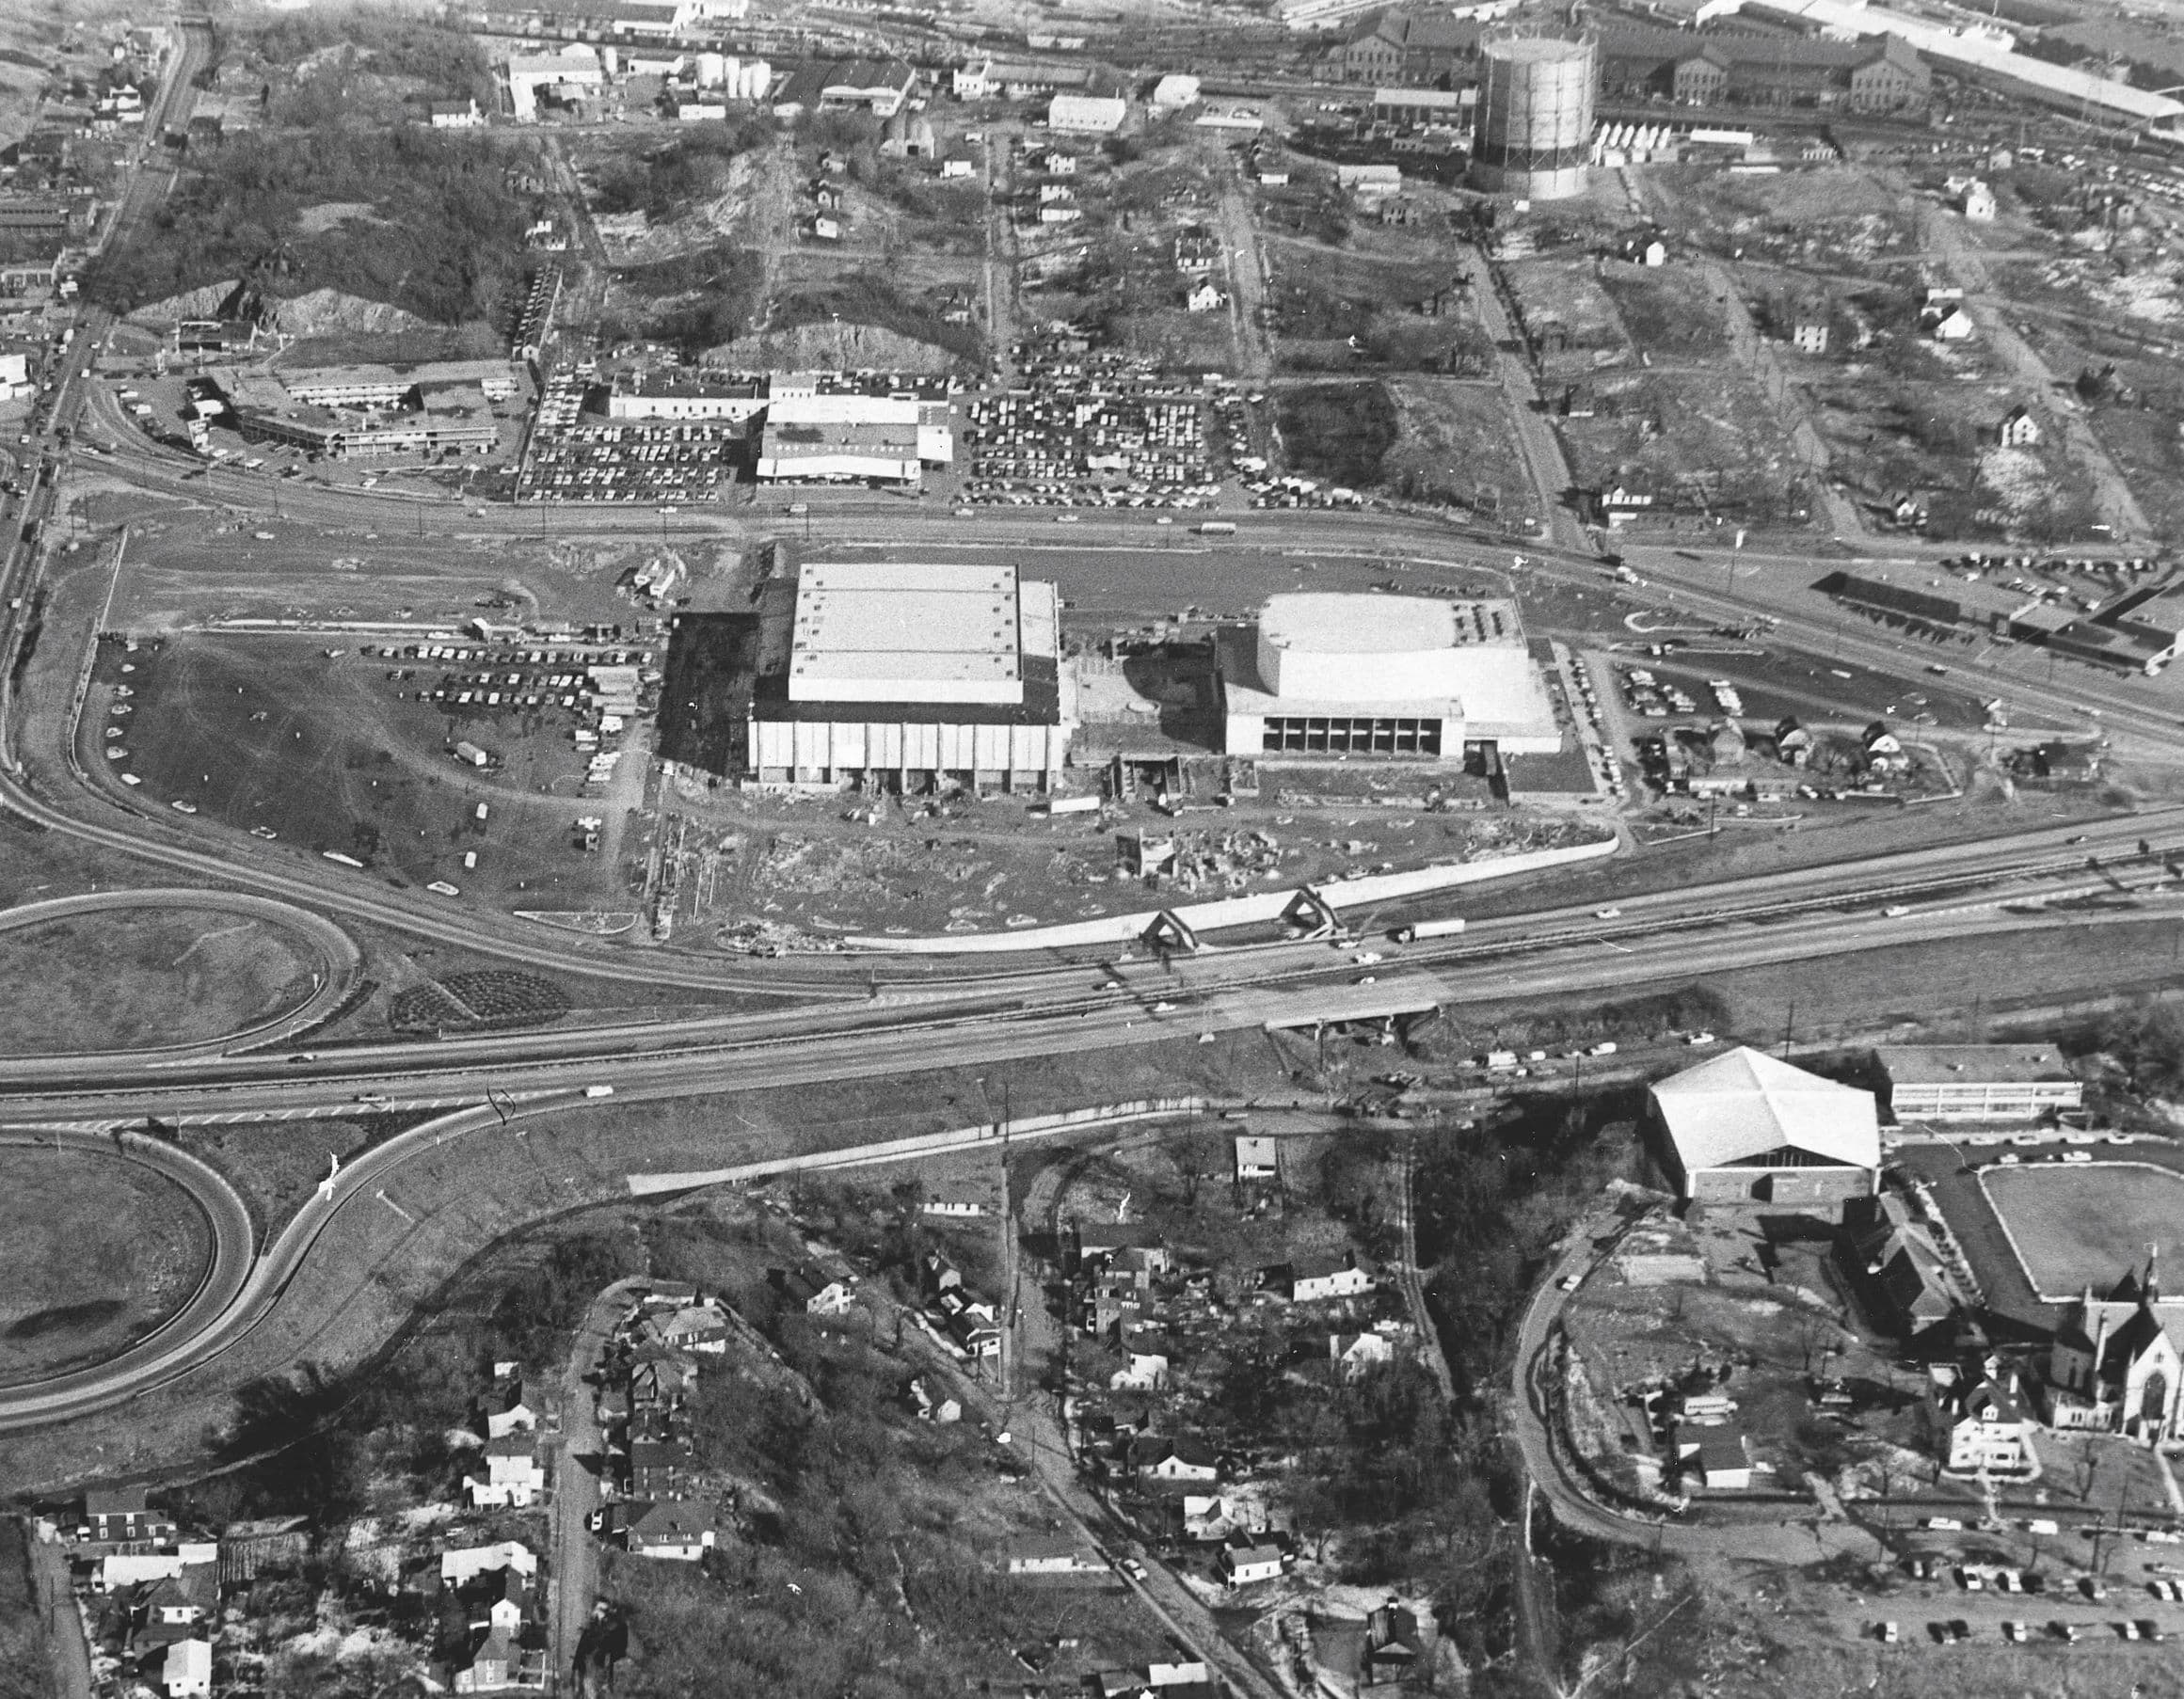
[
  {"x": 228, "y": 1269},
  {"x": 340, "y": 965}
]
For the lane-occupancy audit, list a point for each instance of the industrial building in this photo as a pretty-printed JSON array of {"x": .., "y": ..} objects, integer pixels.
[
  {"x": 907, "y": 678},
  {"x": 1533, "y": 136},
  {"x": 1086, "y": 115},
  {"x": 1881, "y": 74},
  {"x": 1976, "y": 1081},
  {"x": 455, "y": 420},
  {"x": 1412, "y": 678},
  {"x": 1409, "y": 48},
  {"x": 1985, "y": 57},
  {"x": 2142, "y": 630},
  {"x": 1746, "y": 1128},
  {"x": 397, "y": 386},
  {"x": 688, "y": 396},
  {"x": 572, "y": 73},
  {"x": 839, "y": 438},
  {"x": 879, "y": 85}
]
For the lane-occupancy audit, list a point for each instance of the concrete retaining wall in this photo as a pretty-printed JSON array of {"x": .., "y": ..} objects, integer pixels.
[{"x": 1263, "y": 908}]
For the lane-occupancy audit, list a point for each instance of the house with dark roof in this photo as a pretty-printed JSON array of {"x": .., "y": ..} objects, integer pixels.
[
  {"x": 1982, "y": 1420},
  {"x": 681, "y": 1531},
  {"x": 1177, "y": 1457}
]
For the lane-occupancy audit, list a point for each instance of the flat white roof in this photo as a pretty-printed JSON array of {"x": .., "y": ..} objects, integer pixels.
[
  {"x": 880, "y": 631},
  {"x": 840, "y": 409},
  {"x": 1335, "y": 624}
]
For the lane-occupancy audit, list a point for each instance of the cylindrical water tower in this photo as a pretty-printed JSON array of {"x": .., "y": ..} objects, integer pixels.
[{"x": 1534, "y": 131}]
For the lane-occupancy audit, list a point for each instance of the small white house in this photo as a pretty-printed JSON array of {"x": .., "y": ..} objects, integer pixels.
[
  {"x": 1243, "y": 1562},
  {"x": 2019, "y": 428},
  {"x": 1951, "y": 324},
  {"x": 1205, "y": 298},
  {"x": 186, "y": 1671}
]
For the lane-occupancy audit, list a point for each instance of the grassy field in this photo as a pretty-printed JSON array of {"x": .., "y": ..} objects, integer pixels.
[
  {"x": 1669, "y": 310},
  {"x": 2075, "y": 1225},
  {"x": 132, "y": 978},
  {"x": 95, "y": 1252},
  {"x": 1703, "y": 435}
]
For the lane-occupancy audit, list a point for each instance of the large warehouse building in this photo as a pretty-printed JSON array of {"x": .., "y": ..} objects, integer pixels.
[
  {"x": 903, "y": 677},
  {"x": 1401, "y": 676},
  {"x": 1746, "y": 1128}
]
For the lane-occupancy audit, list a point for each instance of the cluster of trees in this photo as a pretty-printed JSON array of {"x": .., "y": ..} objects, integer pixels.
[
  {"x": 444, "y": 240},
  {"x": 335, "y": 51},
  {"x": 707, "y": 297},
  {"x": 1340, "y": 432},
  {"x": 871, "y": 296},
  {"x": 26, "y": 1673},
  {"x": 668, "y": 181},
  {"x": 2147, "y": 1037}
]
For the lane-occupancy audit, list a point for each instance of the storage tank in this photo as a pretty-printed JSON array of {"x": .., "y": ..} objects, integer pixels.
[
  {"x": 713, "y": 71},
  {"x": 1534, "y": 130}
]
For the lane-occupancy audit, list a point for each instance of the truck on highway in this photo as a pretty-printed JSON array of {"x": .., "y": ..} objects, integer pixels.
[
  {"x": 1447, "y": 928},
  {"x": 599, "y": 1091},
  {"x": 1217, "y": 527}
]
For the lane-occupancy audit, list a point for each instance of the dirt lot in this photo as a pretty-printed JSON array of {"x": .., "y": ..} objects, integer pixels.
[
  {"x": 2075, "y": 1225},
  {"x": 1831, "y": 218},
  {"x": 95, "y": 1252},
  {"x": 156, "y": 977},
  {"x": 1567, "y": 316}
]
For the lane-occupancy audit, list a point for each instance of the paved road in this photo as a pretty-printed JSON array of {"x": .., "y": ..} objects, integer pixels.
[
  {"x": 180, "y": 1338},
  {"x": 340, "y": 965}
]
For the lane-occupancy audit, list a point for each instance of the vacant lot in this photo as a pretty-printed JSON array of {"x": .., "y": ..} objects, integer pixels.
[
  {"x": 1698, "y": 441},
  {"x": 1566, "y": 313},
  {"x": 95, "y": 1252},
  {"x": 1670, "y": 311},
  {"x": 2075, "y": 1225},
  {"x": 135, "y": 977},
  {"x": 1455, "y": 444}
]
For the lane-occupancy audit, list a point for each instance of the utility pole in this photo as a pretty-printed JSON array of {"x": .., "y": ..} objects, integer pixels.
[{"x": 1789, "y": 1027}]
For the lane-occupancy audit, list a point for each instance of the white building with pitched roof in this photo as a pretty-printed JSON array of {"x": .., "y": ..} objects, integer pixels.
[{"x": 1746, "y": 1128}]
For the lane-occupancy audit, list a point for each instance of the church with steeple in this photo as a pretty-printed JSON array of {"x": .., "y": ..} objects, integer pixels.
[{"x": 2113, "y": 1366}]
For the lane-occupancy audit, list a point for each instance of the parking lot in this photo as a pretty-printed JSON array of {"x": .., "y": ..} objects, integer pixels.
[{"x": 668, "y": 461}]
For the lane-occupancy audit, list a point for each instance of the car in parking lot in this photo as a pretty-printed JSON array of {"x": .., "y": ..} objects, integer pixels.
[
  {"x": 2013, "y": 1631},
  {"x": 1886, "y": 1633},
  {"x": 2093, "y": 1587},
  {"x": 2065, "y": 1631}
]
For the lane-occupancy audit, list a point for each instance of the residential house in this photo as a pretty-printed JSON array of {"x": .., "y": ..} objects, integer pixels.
[
  {"x": 1355, "y": 1354},
  {"x": 520, "y": 1415},
  {"x": 455, "y": 115},
  {"x": 185, "y": 1669},
  {"x": 657, "y": 1381},
  {"x": 817, "y": 1292},
  {"x": 1884, "y": 750},
  {"x": 1247, "y": 1558},
  {"x": 494, "y": 1665},
  {"x": 1205, "y": 298},
  {"x": 1313, "y": 1280},
  {"x": 1720, "y": 1461},
  {"x": 1809, "y": 336},
  {"x": 514, "y": 1478},
  {"x": 1951, "y": 323},
  {"x": 659, "y": 1468},
  {"x": 1984, "y": 1420},
  {"x": 459, "y": 1568},
  {"x": 1053, "y": 1554},
  {"x": 941, "y": 1410},
  {"x": 2019, "y": 428},
  {"x": 1793, "y": 743},
  {"x": 681, "y": 1531},
  {"x": 119, "y": 1516},
  {"x": 1978, "y": 202},
  {"x": 1160, "y": 1457},
  {"x": 700, "y": 1327},
  {"x": 1258, "y": 1157},
  {"x": 1146, "y": 1362},
  {"x": 970, "y": 1323}
]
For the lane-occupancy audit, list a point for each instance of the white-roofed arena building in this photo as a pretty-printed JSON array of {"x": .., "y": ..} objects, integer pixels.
[
  {"x": 1744, "y": 1128},
  {"x": 1409, "y": 677}
]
